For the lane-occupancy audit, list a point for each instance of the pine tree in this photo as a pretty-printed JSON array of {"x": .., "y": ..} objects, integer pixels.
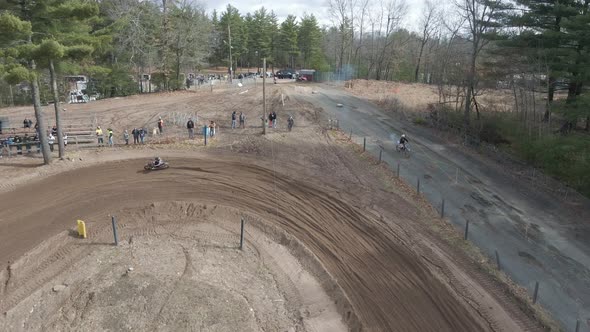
[
  {"x": 559, "y": 32},
  {"x": 67, "y": 27},
  {"x": 231, "y": 22},
  {"x": 16, "y": 34},
  {"x": 288, "y": 41},
  {"x": 309, "y": 41}
]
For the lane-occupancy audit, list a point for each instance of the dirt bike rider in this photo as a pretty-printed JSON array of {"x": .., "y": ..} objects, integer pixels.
[
  {"x": 403, "y": 141},
  {"x": 158, "y": 162}
]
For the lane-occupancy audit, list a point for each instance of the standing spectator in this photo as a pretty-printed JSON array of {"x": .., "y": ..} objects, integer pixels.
[
  {"x": 51, "y": 140},
  {"x": 269, "y": 119},
  {"x": 110, "y": 131},
  {"x": 26, "y": 123},
  {"x": 274, "y": 119},
  {"x": 212, "y": 129},
  {"x": 160, "y": 125},
  {"x": 29, "y": 123},
  {"x": 190, "y": 126},
  {"x": 100, "y": 136},
  {"x": 65, "y": 139},
  {"x": 233, "y": 120},
  {"x": 54, "y": 130},
  {"x": 17, "y": 140},
  {"x": 27, "y": 139},
  {"x": 126, "y": 137},
  {"x": 142, "y": 132},
  {"x": 290, "y": 122},
  {"x": 135, "y": 133},
  {"x": 242, "y": 120}
]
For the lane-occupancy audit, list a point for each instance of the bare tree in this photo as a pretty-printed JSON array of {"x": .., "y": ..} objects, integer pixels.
[
  {"x": 430, "y": 24},
  {"x": 390, "y": 19},
  {"x": 362, "y": 13},
  {"x": 449, "y": 67},
  {"x": 341, "y": 20},
  {"x": 479, "y": 16}
]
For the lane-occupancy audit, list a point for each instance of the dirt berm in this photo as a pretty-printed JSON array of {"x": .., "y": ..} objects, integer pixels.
[{"x": 388, "y": 285}]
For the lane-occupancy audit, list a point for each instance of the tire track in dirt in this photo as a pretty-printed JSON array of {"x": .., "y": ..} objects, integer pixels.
[
  {"x": 389, "y": 286},
  {"x": 60, "y": 260},
  {"x": 186, "y": 273}
]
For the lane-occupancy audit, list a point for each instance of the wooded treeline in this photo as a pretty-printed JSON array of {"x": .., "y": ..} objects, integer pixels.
[{"x": 533, "y": 47}]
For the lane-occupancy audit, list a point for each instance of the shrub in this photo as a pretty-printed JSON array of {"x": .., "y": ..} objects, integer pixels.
[{"x": 419, "y": 121}]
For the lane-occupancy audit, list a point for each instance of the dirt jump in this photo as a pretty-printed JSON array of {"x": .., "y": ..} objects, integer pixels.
[{"x": 331, "y": 243}]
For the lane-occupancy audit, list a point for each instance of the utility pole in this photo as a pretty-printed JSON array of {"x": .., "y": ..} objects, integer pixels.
[
  {"x": 231, "y": 64},
  {"x": 264, "y": 97}
]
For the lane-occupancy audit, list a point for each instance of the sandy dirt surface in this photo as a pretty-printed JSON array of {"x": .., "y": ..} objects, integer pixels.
[
  {"x": 178, "y": 267},
  {"x": 319, "y": 215}
]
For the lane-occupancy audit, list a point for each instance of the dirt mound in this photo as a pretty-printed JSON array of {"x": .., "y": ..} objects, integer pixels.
[{"x": 178, "y": 267}]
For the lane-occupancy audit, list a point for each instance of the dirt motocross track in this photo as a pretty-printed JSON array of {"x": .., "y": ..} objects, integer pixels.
[{"x": 393, "y": 275}]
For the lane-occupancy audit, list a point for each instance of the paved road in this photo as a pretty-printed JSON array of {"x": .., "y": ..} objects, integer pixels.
[{"x": 537, "y": 237}]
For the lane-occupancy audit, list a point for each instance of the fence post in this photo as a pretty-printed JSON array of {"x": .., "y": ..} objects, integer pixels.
[
  {"x": 364, "y": 144},
  {"x": 466, "y": 230},
  {"x": 577, "y": 325},
  {"x": 205, "y": 133},
  {"x": 242, "y": 234},
  {"x": 418, "y": 187},
  {"x": 398, "y": 170},
  {"x": 442, "y": 209},
  {"x": 498, "y": 261},
  {"x": 380, "y": 154},
  {"x": 350, "y": 137},
  {"x": 536, "y": 293},
  {"x": 114, "y": 222}
]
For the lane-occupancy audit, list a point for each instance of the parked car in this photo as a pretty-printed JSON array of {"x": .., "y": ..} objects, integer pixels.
[{"x": 285, "y": 73}]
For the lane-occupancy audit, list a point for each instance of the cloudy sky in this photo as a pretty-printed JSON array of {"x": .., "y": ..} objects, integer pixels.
[{"x": 298, "y": 7}]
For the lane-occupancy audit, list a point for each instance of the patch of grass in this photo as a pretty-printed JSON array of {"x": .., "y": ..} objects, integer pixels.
[
  {"x": 564, "y": 157},
  {"x": 420, "y": 121}
]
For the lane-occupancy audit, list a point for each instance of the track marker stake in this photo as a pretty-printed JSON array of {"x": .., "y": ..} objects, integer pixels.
[
  {"x": 114, "y": 222},
  {"x": 242, "y": 234},
  {"x": 536, "y": 292}
]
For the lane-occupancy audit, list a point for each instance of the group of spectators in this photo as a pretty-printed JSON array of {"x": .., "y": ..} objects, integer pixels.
[
  {"x": 139, "y": 134},
  {"x": 242, "y": 118},
  {"x": 29, "y": 140},
  {"x": 235, "y": 117}
]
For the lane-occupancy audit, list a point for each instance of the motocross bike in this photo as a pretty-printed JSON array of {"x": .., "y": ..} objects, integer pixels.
[{"x": 151, "y": 166}]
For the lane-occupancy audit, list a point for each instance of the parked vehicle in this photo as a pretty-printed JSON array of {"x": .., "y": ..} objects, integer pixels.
[{"x": 286, "y": 73}]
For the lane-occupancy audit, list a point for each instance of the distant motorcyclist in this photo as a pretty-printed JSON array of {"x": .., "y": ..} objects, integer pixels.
[
  {"x": 158, "y": 162},
  {"x": 403, "y": 141}
]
